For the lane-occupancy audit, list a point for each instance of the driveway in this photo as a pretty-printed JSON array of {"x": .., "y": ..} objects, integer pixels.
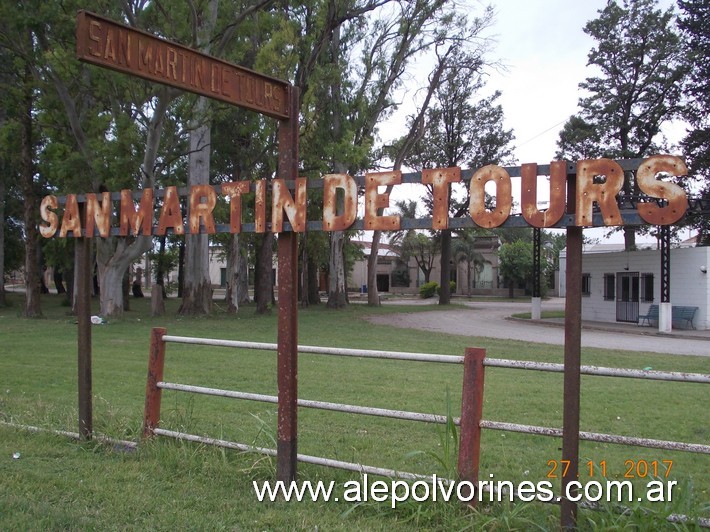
[{"x": 492, "y": 319}]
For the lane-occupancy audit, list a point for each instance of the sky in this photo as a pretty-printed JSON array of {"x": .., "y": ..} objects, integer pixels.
[{"x": 544, "y": 49}]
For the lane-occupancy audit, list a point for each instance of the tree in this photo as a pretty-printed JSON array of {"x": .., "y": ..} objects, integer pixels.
[
  {"x": 197, "y": 287},
  {"x": 579, "y": 140},
  {"x": 464, "y": 250},
  {"x": 696, "y": 109},
  {"x": 639, "y": 58},
  {"x": 395, "y": 42},
  {"x": 461, "y": 130},
  {"x": 27, "y": 184},
  {"x": 18, "y": 56},
  {"x": 398, "y": 152},
  {"x": 423, "y": 249},
  {"x": 516, "y": 263}
]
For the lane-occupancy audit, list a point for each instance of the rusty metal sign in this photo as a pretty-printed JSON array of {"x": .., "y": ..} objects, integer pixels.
[
  {"x": 103, "y": 42},
  {"x": 277, "y": 209}
]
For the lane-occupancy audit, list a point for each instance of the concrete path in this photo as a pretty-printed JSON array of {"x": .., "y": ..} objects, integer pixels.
[{"x": 493, "y": 320}]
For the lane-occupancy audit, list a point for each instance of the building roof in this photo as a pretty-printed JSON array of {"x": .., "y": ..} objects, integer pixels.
[{"x": 383, "y": 250}]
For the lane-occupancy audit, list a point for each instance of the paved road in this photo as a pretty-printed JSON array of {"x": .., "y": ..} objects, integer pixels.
[{"x": 492, "y": 320}]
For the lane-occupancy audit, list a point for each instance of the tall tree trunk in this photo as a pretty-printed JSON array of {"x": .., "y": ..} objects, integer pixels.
[
  {"x": 69, "y": 281},
  {"x": 304, "y": 276},
  {"x": 181, "y": 267},
  {"x": 337, "y": 297},
  {"x": 373, "y": 294},
  {"x": 243, "y": 280},
  {"x": 112, "y": 296},
  {"x": 3, "y": 302},
  {"x": 313, "y": 288},
  {"x": 113, "y": 258},
  {"x": 445, "y": 289},
  {"x": 233, "y": 274},
  {"x": 263, "y": 283},
  {"x": 31, "y": 206},
  {"x": 197, "y": 290},
  {"x": 630, "y": 238},
  {"x": 160, "y": 267}
]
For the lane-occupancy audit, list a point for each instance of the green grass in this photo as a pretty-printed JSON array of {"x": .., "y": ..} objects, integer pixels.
[{"x": 63, "y": 484}]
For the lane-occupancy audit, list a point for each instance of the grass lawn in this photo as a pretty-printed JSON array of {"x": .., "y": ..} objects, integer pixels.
[{"x": 59, "y": 483}]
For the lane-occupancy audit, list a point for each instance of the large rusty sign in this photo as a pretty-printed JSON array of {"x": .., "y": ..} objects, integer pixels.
[
  {"x": 108, "y": 44},
  {"x": 598, "y": 182}
]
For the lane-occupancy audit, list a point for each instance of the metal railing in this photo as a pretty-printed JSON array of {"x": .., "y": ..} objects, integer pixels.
[
  {"x": 468, "y": 454},
  {"x": 470, "y": 422}
]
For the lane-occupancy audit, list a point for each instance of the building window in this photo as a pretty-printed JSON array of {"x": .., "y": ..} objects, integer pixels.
[
  {"x": 609, "y": 287},
  {"x": 646, "y": 287},
  {"x": 586, "y": 284}
]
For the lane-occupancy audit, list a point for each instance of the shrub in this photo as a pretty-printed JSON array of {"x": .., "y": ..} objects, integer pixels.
[{"x": 428, "y": 290}]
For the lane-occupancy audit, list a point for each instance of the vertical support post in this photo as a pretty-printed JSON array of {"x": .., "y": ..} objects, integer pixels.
[
  {"x": 572, "y": 363},
  {"x": 83, "y": 311},
  {"x": 536, "y": 261},
  {"x": 536, "y": 312},
  {"x": 665, "y": 309},
  {"x": 471, "y": 414},
  {"x": 287, "y": 352},
  {"x": 153, "y": 394}
]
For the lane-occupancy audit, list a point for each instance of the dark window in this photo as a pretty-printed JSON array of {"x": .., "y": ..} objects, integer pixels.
[
  {"x": 609, "y": 287},
  {"x": 586, "y": 284},
  {"x": 646, "y": 287}
]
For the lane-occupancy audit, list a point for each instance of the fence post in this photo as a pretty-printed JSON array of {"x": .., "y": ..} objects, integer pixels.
[
  {"x": 156, "y": 362},
  {"x": 287, "y": 351},
  {"x": 471, "y": 413}
]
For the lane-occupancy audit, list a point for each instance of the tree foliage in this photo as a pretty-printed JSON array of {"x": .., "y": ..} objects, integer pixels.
[
  {"x": 696, "y": 109},
  {"x": 516, "y": 262},
  {"x": 638, "y": 68}
]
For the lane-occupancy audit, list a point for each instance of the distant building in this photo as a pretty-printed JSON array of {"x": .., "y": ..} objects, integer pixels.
[
  {"x": 620, "y": 286},
  {"x": 396, "y": 277}
]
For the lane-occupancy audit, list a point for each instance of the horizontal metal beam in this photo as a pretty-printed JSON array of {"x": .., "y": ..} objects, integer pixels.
[
  {"x": 452, "y": 359},
  {"x": 315, "y": 460},
  {"x": 601, "y": 371},
  {"x": 320, "y": 405},
  {"x": 599, "y": 437},
  {"x": 337, "y": 351}
]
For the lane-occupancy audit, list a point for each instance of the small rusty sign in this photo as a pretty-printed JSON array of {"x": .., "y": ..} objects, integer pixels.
[{"x": 103, "y": 42}]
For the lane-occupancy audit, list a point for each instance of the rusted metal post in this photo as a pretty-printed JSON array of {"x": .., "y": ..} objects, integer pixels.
[
  {"x": 471, "y": 414},
  {"x": 83, "y": 312},
  {"x": 156, "y": 364},
  {"x": 572, "y": 361},
  {"x": 287, "y": 351},
  {"x": 536, "y": 312},
  {"x": 537, "y": 269}
]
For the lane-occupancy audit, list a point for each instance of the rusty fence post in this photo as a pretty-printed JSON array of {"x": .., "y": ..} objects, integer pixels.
[
  {"x": 83, "y": 318},
  {"x": 287, "y": 351},
  {"x": 572, "y": 380},
  {"x": 156, "y": 363},
  {"x": 572, "y": 361},
  {"x": 471, "y": 414}
]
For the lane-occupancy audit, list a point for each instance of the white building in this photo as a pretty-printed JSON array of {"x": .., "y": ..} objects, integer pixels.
[{"x": 620, "y": 286}]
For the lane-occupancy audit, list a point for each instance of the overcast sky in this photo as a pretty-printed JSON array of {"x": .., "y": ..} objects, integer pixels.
[{"x": 542, "y": 44}]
